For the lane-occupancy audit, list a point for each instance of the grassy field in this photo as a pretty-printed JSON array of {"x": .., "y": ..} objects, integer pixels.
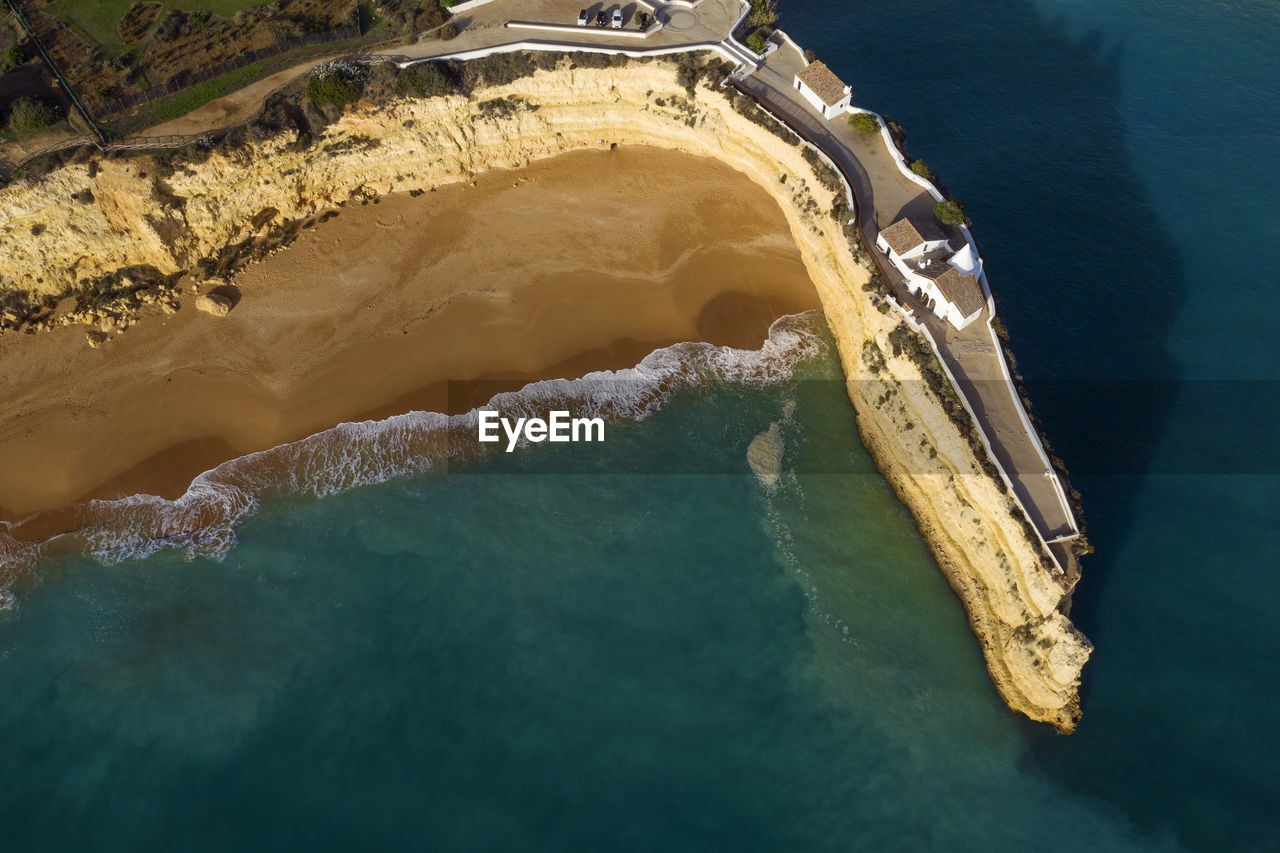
[
  {"x": 98, "y": 19},
  {"x": 187, "y": 100}
]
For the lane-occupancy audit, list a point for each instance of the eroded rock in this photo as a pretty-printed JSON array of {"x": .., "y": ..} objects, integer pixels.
[{"x": 215, "y": 304}]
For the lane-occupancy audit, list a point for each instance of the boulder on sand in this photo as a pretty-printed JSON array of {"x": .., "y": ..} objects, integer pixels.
[{"x": 214, "y": 303}]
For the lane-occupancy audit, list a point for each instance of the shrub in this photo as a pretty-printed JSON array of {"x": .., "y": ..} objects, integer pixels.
[
  {"x": 763, "y": 13},
  {"x": 919, "y": 167},
  {"x": 756, "y": 42},
  {"x": 864, "y": 123},
  {"x": 448, "y": 32},
  {"x": 30, "y": 115},
  {"x": 826, "y": 175},
  {"x": 334, "y": 88},
  {"x": 425, "y": 80},
  {"x": 499, "y": 69},
  {"x": 642, "y": 20},
  {"x": 430, "y": 16},
  {"x": 12, "y": 57},
  {"x": 949, "y": 213}
]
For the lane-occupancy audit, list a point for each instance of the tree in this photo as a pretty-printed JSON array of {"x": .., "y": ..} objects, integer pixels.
[
  {"x": 170, "y": 26},
  {"x": 756, "y": 42},
  {"x": 864, "y": 123},
  {"x": 641, "y": 20},
  {"x": 30, "y": 115},
  {"x": 949, "y": 213},
  {"x": 919, "y": 167},
  {"x": 12, "y": 57}
]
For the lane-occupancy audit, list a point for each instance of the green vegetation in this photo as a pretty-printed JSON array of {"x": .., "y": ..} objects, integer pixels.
[
  {"x": 751, "y": 110},
  {"x": 756, "y": 42},
  {"x": 949, "y": 213},
  {"x": 425, "y": 80},
  {"x": 448, "y": 32},
  {"x": 138, "y": 21},
  {"x": 100, "y": 19},
  {"x": 902, "y": 339},
  {"x": 764, "y": 13},
  {"x": 826, "y": 175},
  {"x": 873, "y": 357},
  {"x": 170, "y": 26},
  {"x": 12, "y": 57},
  {"x": 335, "y": 88},
  {"x": 30, "y": 115},
  {"x": 187, "y": 100},
  {"x": 864, "y": 123},
  {"x": 919, "y": 167},
  {"x": 499, "y": 108}
]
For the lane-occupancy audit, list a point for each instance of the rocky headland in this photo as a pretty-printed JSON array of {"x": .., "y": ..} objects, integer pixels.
[{"x": 101, "y": 241}]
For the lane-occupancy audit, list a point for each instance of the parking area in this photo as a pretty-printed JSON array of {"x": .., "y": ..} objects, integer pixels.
[{"x": 711, "y": 21}]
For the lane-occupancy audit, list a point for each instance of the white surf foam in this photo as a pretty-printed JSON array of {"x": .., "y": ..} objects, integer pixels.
[{"x": 202, "y": 521}]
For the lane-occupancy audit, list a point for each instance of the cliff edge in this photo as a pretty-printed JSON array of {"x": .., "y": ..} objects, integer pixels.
[{"x": 92, "y": 220}]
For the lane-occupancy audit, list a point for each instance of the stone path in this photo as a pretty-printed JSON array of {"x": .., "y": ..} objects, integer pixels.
[{"x": 973, "y": 354}]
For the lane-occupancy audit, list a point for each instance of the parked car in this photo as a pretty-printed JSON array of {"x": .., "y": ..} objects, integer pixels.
[
  {"x": 617, "y": 19},
  {"x": 600, "y": 19},
  {"x": 582, "y": 18}
]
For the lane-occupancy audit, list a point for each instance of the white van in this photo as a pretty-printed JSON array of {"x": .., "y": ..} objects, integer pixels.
[{"x": 617, "y": 18}]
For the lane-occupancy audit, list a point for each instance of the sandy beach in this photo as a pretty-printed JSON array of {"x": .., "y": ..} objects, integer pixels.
[{"x": 584, "y": 262}]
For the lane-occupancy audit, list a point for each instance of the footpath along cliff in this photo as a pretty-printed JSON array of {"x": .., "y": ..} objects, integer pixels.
[{"x": 87, "y": 221}]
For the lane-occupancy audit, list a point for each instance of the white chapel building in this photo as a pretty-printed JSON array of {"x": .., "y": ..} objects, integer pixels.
[
  {"x": 947, "y": 281},
  {"x": 820, "y": 87}
]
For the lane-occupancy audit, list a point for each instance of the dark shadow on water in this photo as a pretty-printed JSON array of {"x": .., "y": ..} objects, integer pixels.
[{"x": 1023, "y": 123}]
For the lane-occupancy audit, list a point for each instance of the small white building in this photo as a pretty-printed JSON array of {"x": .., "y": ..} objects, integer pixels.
[
  {"x": 946, "y": 281},
  {"x": 906, "y": 239},
  {"x": 820, "y": 87}
]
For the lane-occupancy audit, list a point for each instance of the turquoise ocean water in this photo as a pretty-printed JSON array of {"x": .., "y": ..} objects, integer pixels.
[{"x": 642, "y": 647}]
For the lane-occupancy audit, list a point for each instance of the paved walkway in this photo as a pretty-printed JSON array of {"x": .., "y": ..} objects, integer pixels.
[{"x": 973, "y": 354}]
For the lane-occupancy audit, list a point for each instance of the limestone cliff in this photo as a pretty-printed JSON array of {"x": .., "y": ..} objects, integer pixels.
[{"x": 51, "y": 239}]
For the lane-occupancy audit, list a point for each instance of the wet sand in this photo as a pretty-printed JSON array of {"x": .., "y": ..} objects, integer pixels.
[{"x": 585, "y": 262}]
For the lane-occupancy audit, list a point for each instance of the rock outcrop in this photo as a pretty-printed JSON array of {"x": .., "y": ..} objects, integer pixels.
[
  {"x": 215, "y": 304},
  {"x": 1012, "y": 591}
]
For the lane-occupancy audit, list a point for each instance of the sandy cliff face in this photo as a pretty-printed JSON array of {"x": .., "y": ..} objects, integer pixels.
[{"x": 1009, "y": 588}]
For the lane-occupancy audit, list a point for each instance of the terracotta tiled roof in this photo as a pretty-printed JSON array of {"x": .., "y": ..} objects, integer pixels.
[
  {"x": 959, "y": 289},
  {"x": 826, "y": 85},
  {"x": 904, "y": 235}
]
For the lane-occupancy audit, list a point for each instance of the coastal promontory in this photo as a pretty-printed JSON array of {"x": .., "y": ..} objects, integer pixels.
[{"x": 117, "y": 226}]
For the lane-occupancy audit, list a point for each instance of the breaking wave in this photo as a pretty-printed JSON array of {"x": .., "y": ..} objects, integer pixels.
[{"x": 202, "y": 521}]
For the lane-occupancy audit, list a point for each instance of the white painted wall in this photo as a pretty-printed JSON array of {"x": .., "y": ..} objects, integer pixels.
[
  {"x": 463, "y": 7},
  {"x": 838, "y": 107},
  {"x": 923, "y": 286},
  {"x": 828, "y": 112},
  {"x": 513, "y": 47}
]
